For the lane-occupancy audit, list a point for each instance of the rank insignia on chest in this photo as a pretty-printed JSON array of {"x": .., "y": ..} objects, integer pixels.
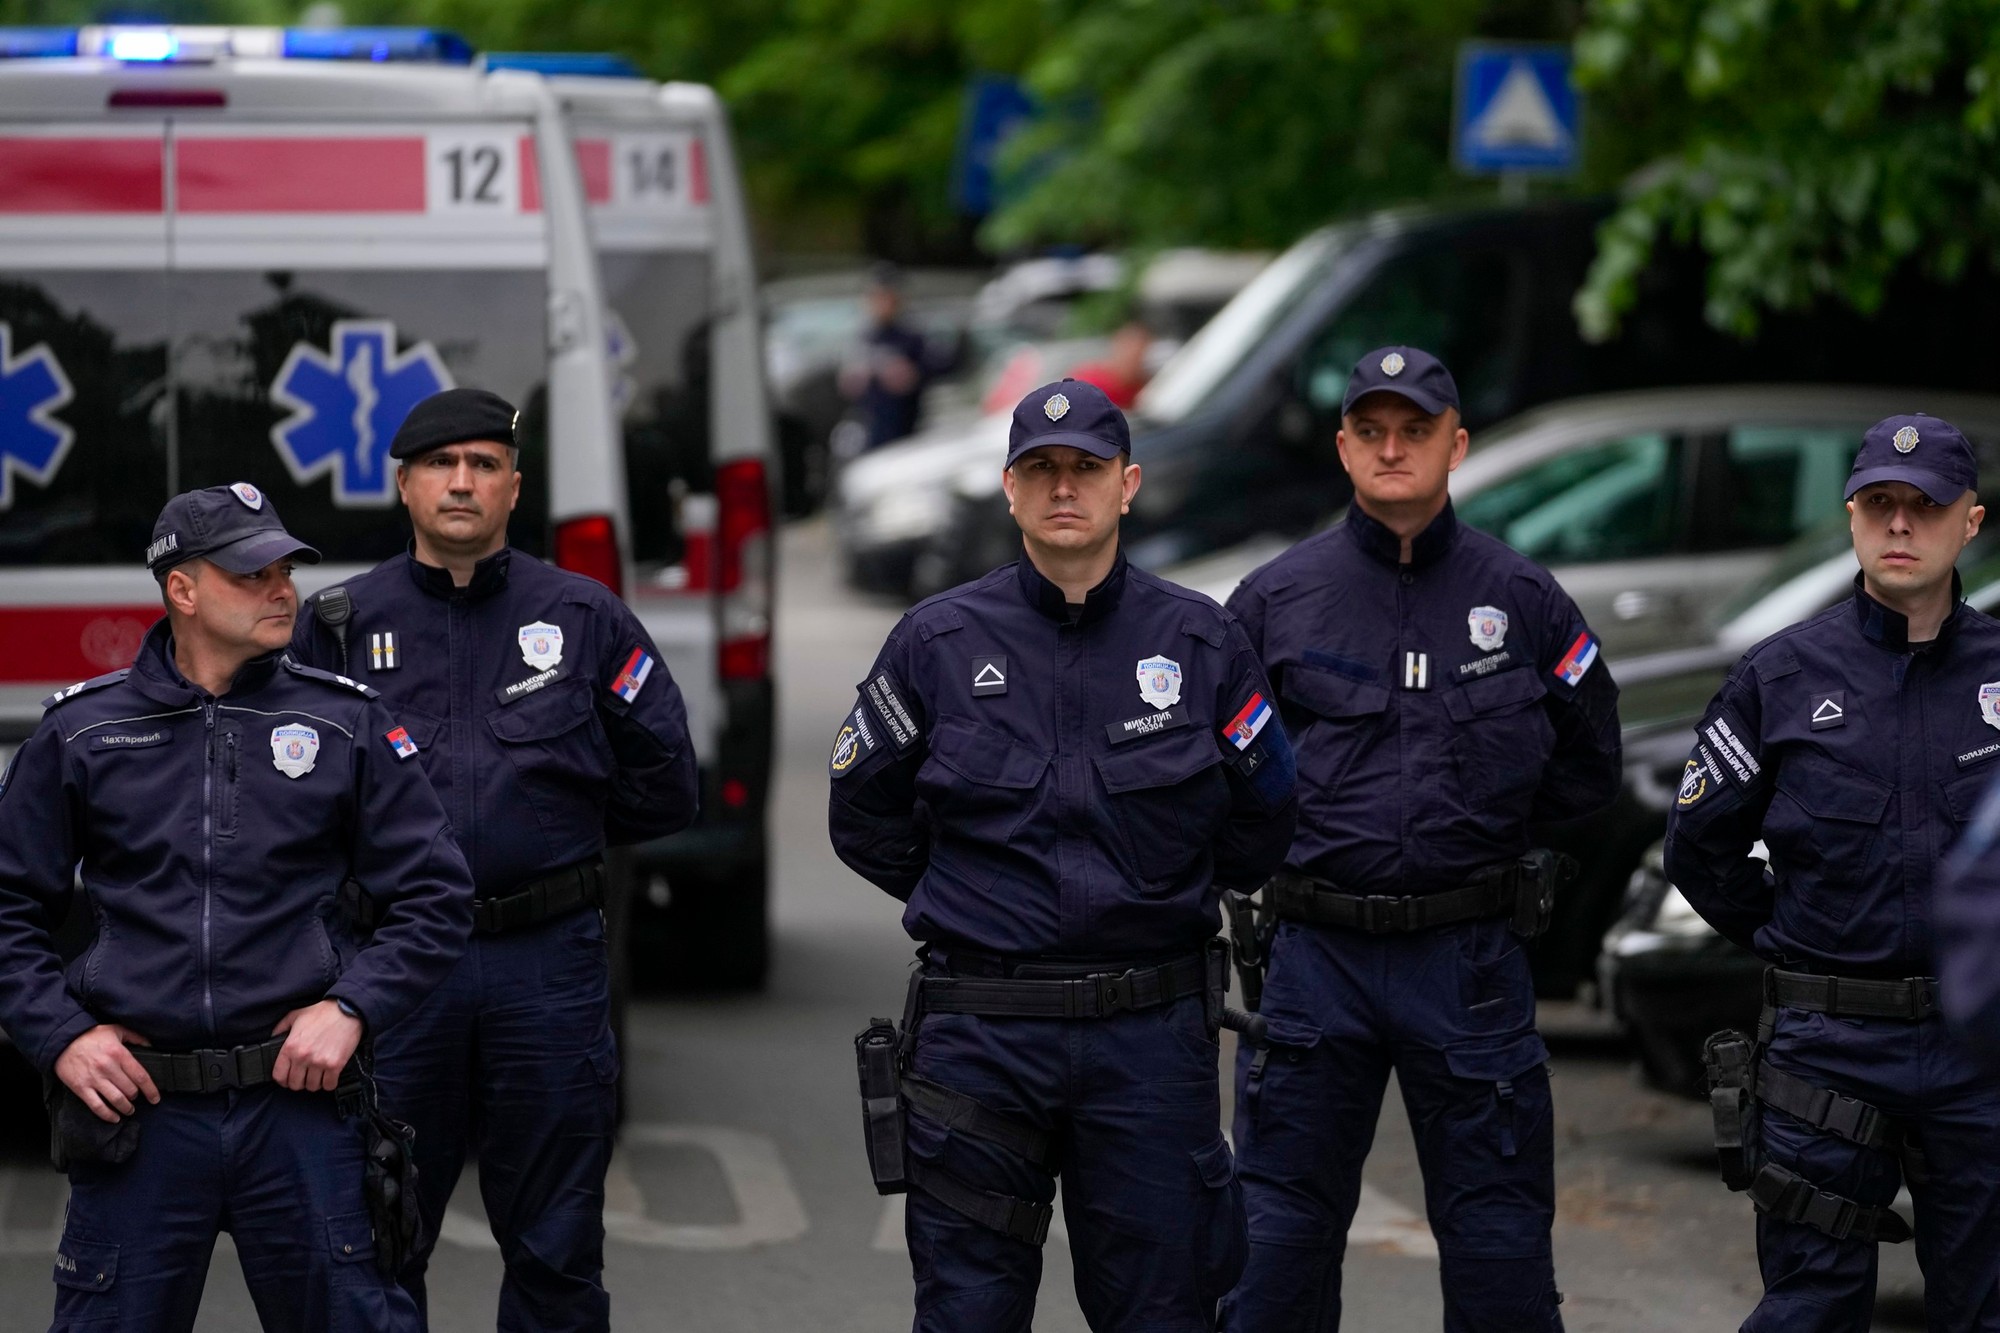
[
  {"x": 1989, "y": 703},
  {"x": 989, "y": 676},
  {"x": 293, "y": 749},
  {"x": 1416, "y": 671},
  {"x": 1488, "y": 626},
  {"x": 1160, "y": 681},
  {"x": 382, "y": 652},
  {"x": 1830, "y": 710},
  {"x": 541, "y": 645}
]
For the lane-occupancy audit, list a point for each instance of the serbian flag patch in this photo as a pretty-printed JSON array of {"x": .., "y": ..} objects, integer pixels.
[
  {"x": 399, "y": 741},
  {"x": 1243, "y": 728},
  {"x": 1581, "y": 656},
  {"x": 632, "y": 676}
]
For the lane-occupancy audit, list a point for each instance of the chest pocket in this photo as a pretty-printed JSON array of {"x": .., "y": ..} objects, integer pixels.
[
  {"x": 1825, "y": 829},
  {"x": 1169, "y": 798},
  {"x": 552, "y": 737},
  {"x": 1963, "y": 793},
  {"x": 1332, "y": 720},
  {"x": 1501, "y": 737},
  {"x": 982, "y": 780}
]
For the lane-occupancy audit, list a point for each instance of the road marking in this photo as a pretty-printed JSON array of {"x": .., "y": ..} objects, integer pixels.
[
  {"x": 768, "y": 1210},
  {"x": 1380, "y": 1223}
]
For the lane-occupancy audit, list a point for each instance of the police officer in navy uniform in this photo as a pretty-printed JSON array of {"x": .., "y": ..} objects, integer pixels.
[
  {"x": 211, "y": 799},
  {"x": 1442, "y": 692},
  {"x": 551, "y": 729},
  {"x": 1058, "y": 768},
  {"x": 1856, "y": 745}
]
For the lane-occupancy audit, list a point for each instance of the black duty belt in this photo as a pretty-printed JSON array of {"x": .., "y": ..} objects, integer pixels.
[
  {"x": 1316, "y": 902},
  {"x": 1092, "y": 990},
  {"x": 580, "y": 885},
  {"x": 559, "y": 891},
  {"x": 210, "y": 1071},
  {"x": 1910, "y": 998}
]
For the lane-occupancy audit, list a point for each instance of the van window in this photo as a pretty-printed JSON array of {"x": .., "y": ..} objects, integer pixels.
[
  {"x": 292, "y": 380},
  {"x": 102, "y": 336},
  {"x": 1609, "y": 501},
  {"x": 660, "y": 353},
  {"x": 1459, "y": 305}
]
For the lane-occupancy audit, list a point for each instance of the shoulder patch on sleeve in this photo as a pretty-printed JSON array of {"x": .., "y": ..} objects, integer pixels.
[
  {"x": 298, "y": 668},
  {"x": 85, "y": 686},
  {"x": 942, "y": 620},
  {"x": 1776, "y": 664},
  {"x": 1209, "y": 629},
  {"x": 399, "y": 741},
  {"x": 1577, "y": 660},
  {"x": 854, "y": 742},
  {"x": 880, "y": 692},
  {"x": 1721, "y": 741},
  {"x": 631, "y": 677}
]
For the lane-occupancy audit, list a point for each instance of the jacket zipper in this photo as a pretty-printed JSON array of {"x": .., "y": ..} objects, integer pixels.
[{"x": 207, "y": 865}]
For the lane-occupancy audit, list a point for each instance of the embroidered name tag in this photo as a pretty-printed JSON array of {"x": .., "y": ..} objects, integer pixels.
[{"x": 1152, "y": 724}]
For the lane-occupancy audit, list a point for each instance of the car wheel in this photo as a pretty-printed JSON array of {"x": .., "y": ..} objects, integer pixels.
[{"x": 713, "y": 932}]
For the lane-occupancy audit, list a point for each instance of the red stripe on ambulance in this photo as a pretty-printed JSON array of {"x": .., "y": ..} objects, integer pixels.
[
  {"x": 64, "y": 175},
  {"x": 60, "y": 645},
  {"x": 299, "y": 175},
  {"x": 593, "y": 163}
]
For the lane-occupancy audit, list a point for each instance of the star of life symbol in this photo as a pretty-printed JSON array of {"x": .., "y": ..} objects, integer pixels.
[
  {"x": 346, "y": 404},
  {"x": 1056, "y": 408},
  {"x": 1392, "y": 364},
  {"x": 293, "y": 749},
  {"x": 32, "y": 442},
  {"x": 1906, "y": 439}
]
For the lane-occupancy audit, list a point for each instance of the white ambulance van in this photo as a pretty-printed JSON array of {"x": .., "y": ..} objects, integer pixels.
[{"x": 243, "y": 254}]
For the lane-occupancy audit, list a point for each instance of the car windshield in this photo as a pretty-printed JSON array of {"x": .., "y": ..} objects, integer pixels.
[
  {"x": 1213, "y": 354},
  {"x": 1826, "y": 542}
]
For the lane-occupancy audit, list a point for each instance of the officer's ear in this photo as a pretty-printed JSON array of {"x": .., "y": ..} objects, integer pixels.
[
  {"x": 1460, "y": 440},
  {"x": 1974, "y": 517},
  {"x": 402, "y": 477},
  {"x": 1007, "y": 486},
  {"x": 1130, "y": 474},
  {"x": 177, "y": 589}
]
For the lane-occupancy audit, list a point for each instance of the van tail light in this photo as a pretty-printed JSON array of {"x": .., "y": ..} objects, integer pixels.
[
  {"x": 743, "y": 568},
  {"x": 589, "y": 545}
]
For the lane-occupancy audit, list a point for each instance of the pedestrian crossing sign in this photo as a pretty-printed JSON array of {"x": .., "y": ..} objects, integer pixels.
[{"x": 1517, "y": 110}]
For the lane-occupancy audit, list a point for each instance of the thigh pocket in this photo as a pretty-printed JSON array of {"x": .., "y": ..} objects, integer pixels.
[
  {"x": 350, "y": 1239},
  {"x": 1503, "y": 1108},
  {"x": 1288, "y": 1045},
  {"x": 1495, "y": 985},
  {"x": 1224, "y": 1236},
  {"x": 86, "y": 1282}
]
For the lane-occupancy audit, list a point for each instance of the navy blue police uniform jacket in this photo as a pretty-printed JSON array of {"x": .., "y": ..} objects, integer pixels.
[
  {"x": 1857, "y": 756},
  {"x": 1037, "y": 779},
  {"x": 1437, "y": 707},
  {"x": 211, "y": 836},
  {"x": 536, "y": 702}
]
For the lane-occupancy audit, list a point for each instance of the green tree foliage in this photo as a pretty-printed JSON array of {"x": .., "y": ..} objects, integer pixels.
[{"x": 1813, "y": 148}]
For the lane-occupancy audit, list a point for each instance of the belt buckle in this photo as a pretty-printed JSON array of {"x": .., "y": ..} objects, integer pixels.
[
  {"x": 1381, "y": 913},
  {"x": 1114, "y": 991},
  {"x": 222, "y": 1070}
]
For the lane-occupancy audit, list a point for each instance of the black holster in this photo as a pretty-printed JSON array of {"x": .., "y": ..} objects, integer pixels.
[
  {"x": 882, "y": 1105},
  {"x": 389, "y": 1178},
  {"x": 77, "y": 1135},
  {"x": 1730, "y": 1058},
  {"x": 1538, "y": 875},
  {"x": 1250, "y": 932}
]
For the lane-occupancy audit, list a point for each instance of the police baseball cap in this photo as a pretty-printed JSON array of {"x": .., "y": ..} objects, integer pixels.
[
  {"x": 235, "y": 527},
  {"x": 454, "y": 416},
  {"x": 1069, "y": 412},
  {"x": 1407, "y": 372},
  {"x": 1925, "y": 451}
]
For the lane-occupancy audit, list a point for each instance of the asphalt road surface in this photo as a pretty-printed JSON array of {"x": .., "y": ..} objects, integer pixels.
[{"x": 740, "y": 1202}]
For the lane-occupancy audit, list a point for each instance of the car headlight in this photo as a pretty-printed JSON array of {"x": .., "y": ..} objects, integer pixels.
[{"x": 904, "y": 515}]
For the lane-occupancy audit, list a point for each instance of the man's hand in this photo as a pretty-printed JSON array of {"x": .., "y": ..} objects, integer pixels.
[
  {"x": 103, "y": 1074},
  {"x": 321, "y": 1043}
]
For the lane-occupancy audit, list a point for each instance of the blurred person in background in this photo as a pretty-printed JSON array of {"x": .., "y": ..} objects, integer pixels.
[
  {"x": 1122, "y": 371},
  {"x": 886, "y": 382}
]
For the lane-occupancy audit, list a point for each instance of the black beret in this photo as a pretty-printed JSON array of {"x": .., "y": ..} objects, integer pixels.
[{"x": 453, "y": 417}]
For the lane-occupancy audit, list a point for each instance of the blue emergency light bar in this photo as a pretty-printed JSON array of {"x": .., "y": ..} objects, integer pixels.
[
  {"x": 433, "y": 46},
  {"x": 587, "y": 64},
  {"x": 166, "y": 44}
]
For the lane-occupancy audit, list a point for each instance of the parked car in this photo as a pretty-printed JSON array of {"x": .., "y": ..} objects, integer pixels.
[
  {"x": 1663, "y": 972},
  {"x": 1236, "y": 433}
]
